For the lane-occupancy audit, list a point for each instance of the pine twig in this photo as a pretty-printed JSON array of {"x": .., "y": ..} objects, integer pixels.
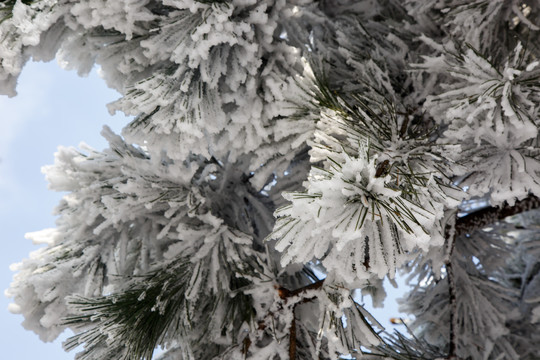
[
  {"x": 285, "y": 294},
  {"x": 453, "y": 309},
  {"x": 292, "y": 337},
  {"x": 452, "y": 296},
  {"x": 486, "y": 216}
]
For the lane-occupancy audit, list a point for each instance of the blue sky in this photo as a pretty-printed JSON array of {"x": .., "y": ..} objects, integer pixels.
[{"x": 53, "y": 107}]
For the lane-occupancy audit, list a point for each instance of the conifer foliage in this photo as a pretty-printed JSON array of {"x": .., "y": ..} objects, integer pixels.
[{"x": 284, "y": 155}]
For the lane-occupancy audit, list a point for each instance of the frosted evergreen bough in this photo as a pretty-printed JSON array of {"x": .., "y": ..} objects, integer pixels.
[
  {"x": 284, "y": 159},
  {"x": 497, "y": 108}
]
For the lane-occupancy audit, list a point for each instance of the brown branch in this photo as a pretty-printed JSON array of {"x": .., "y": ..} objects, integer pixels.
[
  {"x": 247, "y": 344},
  {"x": 452, "y": 293},
  {"x": 286, "y": 294},
  {"x": 292, "y": 337},
  {"x": 482, "y": 218}
]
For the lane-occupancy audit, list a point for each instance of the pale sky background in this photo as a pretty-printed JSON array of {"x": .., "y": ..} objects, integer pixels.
[{"x": 53, "y": 107}]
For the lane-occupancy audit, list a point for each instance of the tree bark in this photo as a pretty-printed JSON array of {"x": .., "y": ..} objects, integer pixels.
[{"x": 482, "y": 218}]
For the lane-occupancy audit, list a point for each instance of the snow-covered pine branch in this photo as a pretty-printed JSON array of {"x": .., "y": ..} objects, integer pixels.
[{"x": 372, "y": 131}]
